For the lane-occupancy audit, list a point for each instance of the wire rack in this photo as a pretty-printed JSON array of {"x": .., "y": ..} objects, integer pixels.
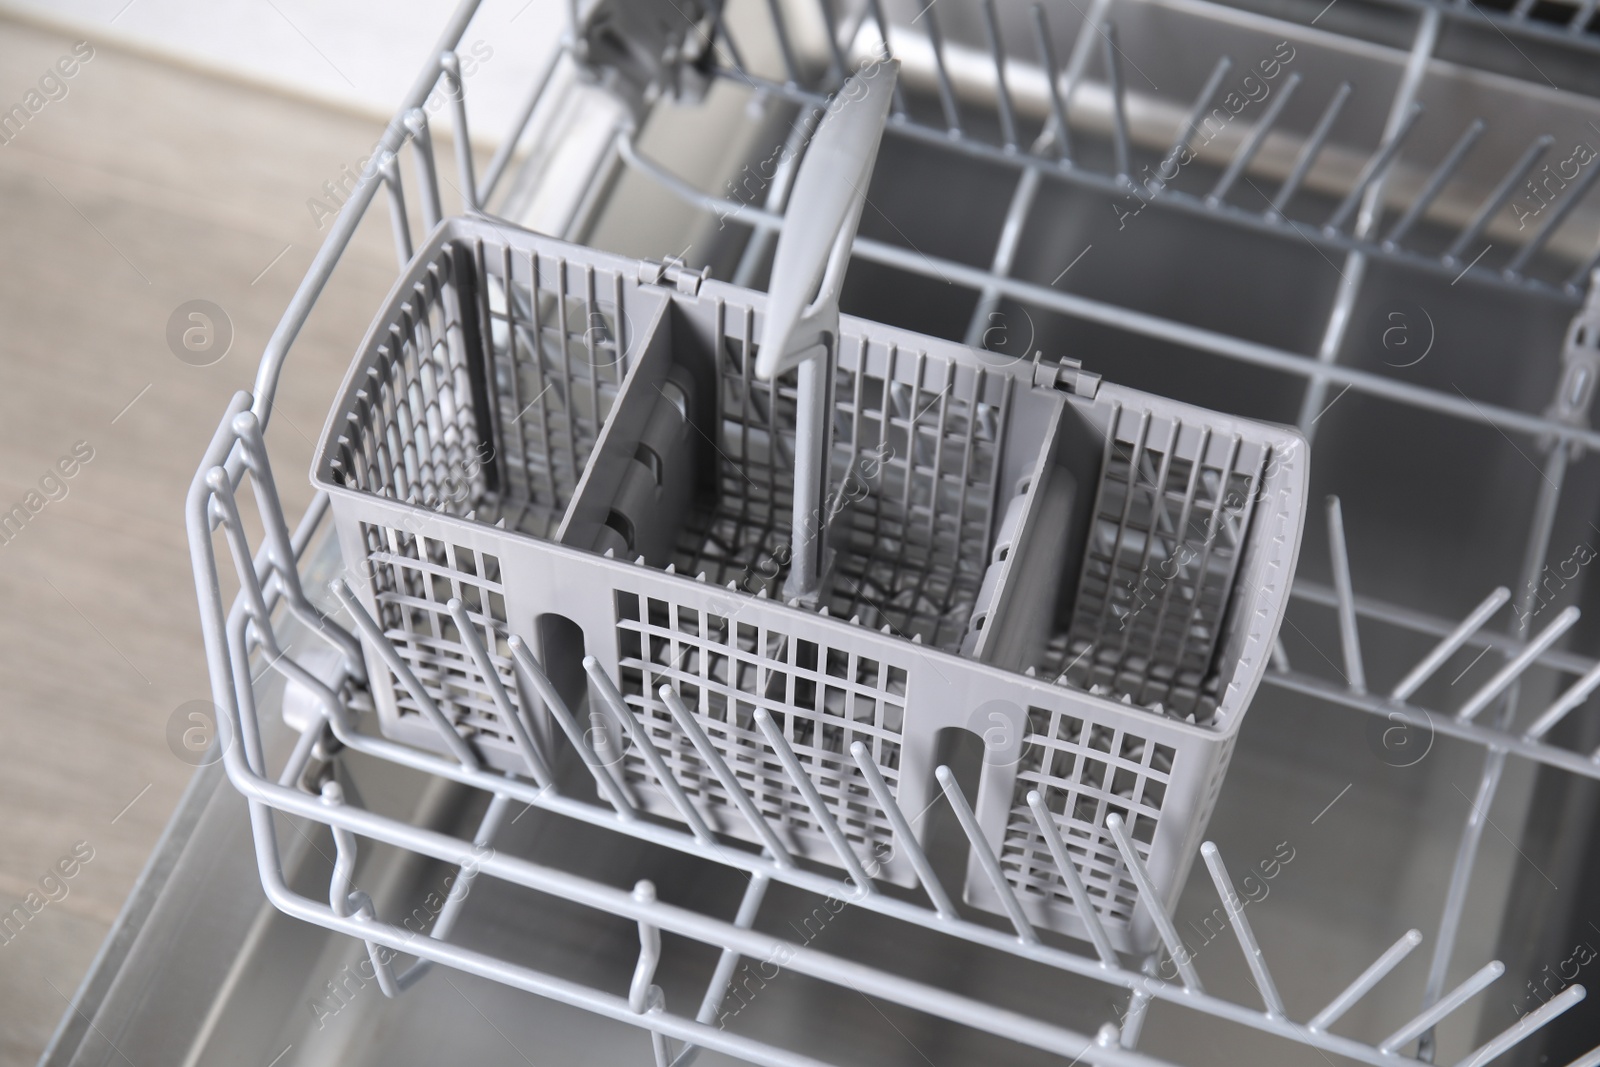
[{"x": 272, "y": 603}]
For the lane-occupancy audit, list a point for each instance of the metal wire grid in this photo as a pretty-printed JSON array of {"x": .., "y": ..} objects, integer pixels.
[
  {"x": 1351, "y": 228},
  {"x": 309, "y": 790},
  {"x": 1159, "y": 570},
  {"x": 270, "y": 579}
]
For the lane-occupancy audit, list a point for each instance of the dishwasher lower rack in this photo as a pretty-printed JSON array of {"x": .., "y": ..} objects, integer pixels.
[{"x": 544, "y": 444}]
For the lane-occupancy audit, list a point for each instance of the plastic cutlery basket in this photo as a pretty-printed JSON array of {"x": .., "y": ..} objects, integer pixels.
[{"x": 574, "y": 445}]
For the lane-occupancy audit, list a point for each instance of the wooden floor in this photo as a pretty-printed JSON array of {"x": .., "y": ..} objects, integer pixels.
[{"x": 144, "y": 187}]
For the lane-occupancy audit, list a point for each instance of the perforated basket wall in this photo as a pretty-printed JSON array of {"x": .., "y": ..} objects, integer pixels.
[{"x": 988, "y": 531}]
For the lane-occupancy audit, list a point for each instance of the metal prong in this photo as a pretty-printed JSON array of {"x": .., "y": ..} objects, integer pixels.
[
  {"x": 1519, "y": 663},
  {"x": 1576, "y": 694},
  {"x": 985, "y": 855},
  {"x": 1150, "y": 896},
  {"x": 719, "y": 767},
  {"x": 1252, "y": 143},
  {"x": 647, "y": 749},
  {"x": 427, "y": 174},
  {"x": 1069, "y": 874},
  {"x": 607, "y": 783},
  {"x": 1047, "y": 60},
  {"x": 947, "y": 95},
  {"x": 1375, "y": 168},
  {"x": 1451, "y": 642},
  {"x": 1524, "y": 1027},
  {"x": 510, "y": 714},
  {"x": 1191, "y": 121},
  {"x": 1119, "y": 115},
  {"x": 1241, "y": 929},
  {"x": 879, "y": 789},
  {"x": 1436, "y": 182},
  {"x": 395, "y": 662},
  {"x": 1497, "y": 199},
  {"x": 1558, "y": 215},
  {"x": 1309, "y": 151},
  {"x": 784, "y": 46},
  {"x": 1008, "y": 119},
  {"x": 1368, "y": 978},
  {"x": 1349, "y": 637},
  {"x": 450, "y": 63},
  {"x": 819, "y": 808},
  {"x": 1447, "y": 1004}
]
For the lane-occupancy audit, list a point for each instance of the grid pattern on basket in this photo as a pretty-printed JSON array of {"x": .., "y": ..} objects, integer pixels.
[
  {"x": 558, "y": 348},
  {"x": 724, "y": 667},
  {"x": 743, "y": 535},
  {"x": 1084, "y": 771},
  {"x": 411, "y": 435},
  {"x": 911, "y": 502},
  {"x": 413, "y": 578},
  {"x": 1164, "y": 544},
  {"x": 553, "y": 360}
]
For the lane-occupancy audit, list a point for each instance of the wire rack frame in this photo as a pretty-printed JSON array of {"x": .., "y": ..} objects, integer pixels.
[
  {"x": 273, "y": 579},
  {"x": 247, "y": 633},
  {"x": 1352, "y": 227}
]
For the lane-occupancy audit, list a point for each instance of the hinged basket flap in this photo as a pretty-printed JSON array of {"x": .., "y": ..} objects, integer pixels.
[{"x": 1104, "y": 570}]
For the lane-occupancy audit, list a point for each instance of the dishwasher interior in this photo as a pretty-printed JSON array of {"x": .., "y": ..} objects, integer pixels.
[{"x": 1365, "y": 220}]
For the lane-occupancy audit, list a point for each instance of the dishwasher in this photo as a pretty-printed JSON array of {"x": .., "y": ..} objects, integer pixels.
[{"x": 794, "y": 553}]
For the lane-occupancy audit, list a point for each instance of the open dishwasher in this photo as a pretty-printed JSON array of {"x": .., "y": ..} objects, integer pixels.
[{"x": 626, "y": 696}]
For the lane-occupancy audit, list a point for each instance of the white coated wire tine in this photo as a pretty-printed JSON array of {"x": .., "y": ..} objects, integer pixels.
[
  {"x": 1518, "y": 663},
  {"x": 1575, "y": 694},
  {"x": 819, "y": 809},
  {"x": 1349, "y": 635},
  {"x": 538, "y": 766},
  {"x": 730, "y": 783},
  {"x": 830, "y": 25},
  {"x": 1580, "y": 17},
  {"x": 1497, "y": 199},
  {"x": 1436, "y": 182},
  {"x": 1309, "y": 151},
  {"x": 947, "y": 96},
  {"x": 1252, "y": 143},
  {"x": 395, "y": 662},
  {"x": 1119, "y": 115},
  {"x": 1008, "y": 118},
  {"x": 1242, "y": 930},
  {"x": 907, "y": 840},
  {"x": 1368, "y": 978},
  {"x": 1524, "y": 1027},
  {"x": 1151, "y": 898},
  {"x": 641, "y": 740},
  {"x": 985, "y": 855},
  {"x": 1052, "y": 71},
  {"x": 1376, "y": 166},
  {"x": 1280, "y": 655},
  {"x": 876, "y": 8},
  {"x": 1558, "y": 215},
  {"x": 1452, "y": 1000},
  {"x": 604, "y": 780},
  {"x": 717, "y": 989},
  {"x": 1588, "y": 1059},
  {"x": 644, "y": 972},
  {"x": 1191, "y": 121},
  {"x": 1074, "y": 882},
  {"x": 450, "y": 64},
  {"x": 1448, "y": 645},
  {"x": 389, "y": 170},
  {"x": 427, "y": 172},
  {"x": 279, "y": 545},
  {"x": 781, "y": 31}
]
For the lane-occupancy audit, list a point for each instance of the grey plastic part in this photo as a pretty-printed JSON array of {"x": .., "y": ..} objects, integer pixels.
[{"x": 954, "y": 595}]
